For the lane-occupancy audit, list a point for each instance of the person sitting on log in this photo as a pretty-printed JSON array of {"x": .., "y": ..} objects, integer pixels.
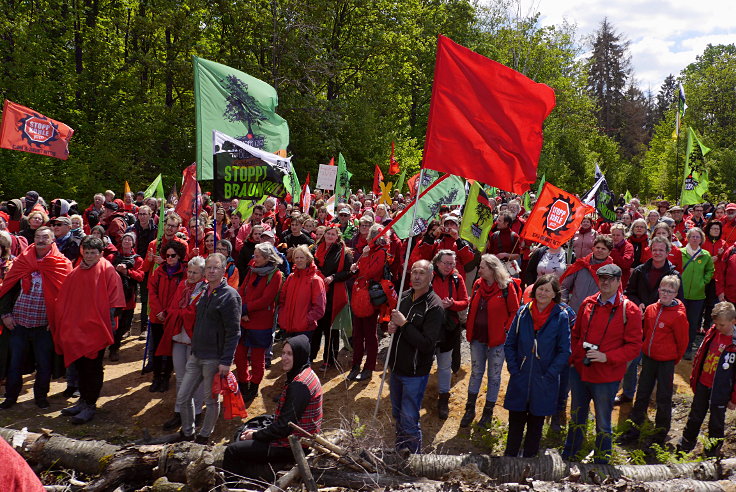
[{"x": 300, "y": 402}]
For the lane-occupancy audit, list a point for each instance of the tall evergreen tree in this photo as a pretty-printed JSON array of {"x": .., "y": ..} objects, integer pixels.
[
  {"x": 666, "y": 96},
  {"x": 609, "y": 71}
]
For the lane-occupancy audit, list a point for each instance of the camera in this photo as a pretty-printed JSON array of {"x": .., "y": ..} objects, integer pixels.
[{"x": 588, "y": 346}]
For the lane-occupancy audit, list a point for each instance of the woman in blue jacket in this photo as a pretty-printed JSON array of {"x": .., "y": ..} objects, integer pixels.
[{"x": 537, "y": 349}]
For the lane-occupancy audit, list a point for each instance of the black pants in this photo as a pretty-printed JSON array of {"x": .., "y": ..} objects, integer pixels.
[
  {"x": 162, "y": 364},
  {"x": 125, "y": 321},
  {"x": 456, "y": 354},
  {"x": 244, "y": 457},
  {"x": 517, "y": 422},
  {"x": 698, "y": 410},
  {"x": 661, "y": 373},
  {"x": 332, "y": 340},
  {"x": 143, "y": 286},
  {"x": 91, "y": 375}
]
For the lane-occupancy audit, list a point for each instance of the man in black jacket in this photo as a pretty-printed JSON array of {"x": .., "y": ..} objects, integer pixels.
[
  {"x": 416, "y": 327},
  {"x": 216, "y": 334}
]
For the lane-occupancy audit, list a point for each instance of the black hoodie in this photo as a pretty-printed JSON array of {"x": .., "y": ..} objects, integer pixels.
[{"x": 297, "y": 394}]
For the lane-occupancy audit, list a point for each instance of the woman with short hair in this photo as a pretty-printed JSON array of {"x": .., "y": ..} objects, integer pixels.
[
  {"x": 259, "y": 291},
  {"x": 537, "y": 350},
  {"x": 302, "y": 299}
]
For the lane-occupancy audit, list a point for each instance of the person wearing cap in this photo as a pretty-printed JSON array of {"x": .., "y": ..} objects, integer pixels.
[
  {"x": 348, "y": 226},
  {"x": 65, "y": 241},
  {"x": 606, "y": 336},
  {"x": 729, "y": 224},
  {"x": 449, "y": 238},
  {"x": 114, "y": 223},
  {"x": 662, "y": 207},
  {"x": 681, "y": 223}
]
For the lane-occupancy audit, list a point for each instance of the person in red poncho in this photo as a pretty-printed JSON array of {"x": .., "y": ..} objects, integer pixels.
[
  {"x": 176, "y": 341},
  {"x": 15, "y": 474},
  {"x": 86, "y": 323},
  {"x": 28, "y": 309}
]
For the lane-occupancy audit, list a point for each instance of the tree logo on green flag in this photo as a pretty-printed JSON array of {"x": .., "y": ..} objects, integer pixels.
[
  {"x": 244, "y": 108},
  {"x": 697, "y": 169}
]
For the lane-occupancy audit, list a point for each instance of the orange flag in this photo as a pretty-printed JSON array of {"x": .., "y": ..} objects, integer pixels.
[
  {"x": 393, "y": 164},
  {"x": 555, "y": 217},
  {"x": 28, "y": 131}
]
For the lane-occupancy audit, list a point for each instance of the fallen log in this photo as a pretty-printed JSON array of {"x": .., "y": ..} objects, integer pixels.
[{"x": 551, "y": 468}]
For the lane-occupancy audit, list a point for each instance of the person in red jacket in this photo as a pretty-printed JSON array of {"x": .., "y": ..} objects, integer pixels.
[
  {"x": 666, "y": 338},
  {"x": 606, "y": 336},
  {"x": 259, "y": 291},
  {"x": 162, "y": 287},
  {"x": 729, "y": 224},
  {"x": 130, "y": 268},
  {"x": 176, "y": 341},
  {"x": 303, "y": 299},
  {"x": 369, "y": 268},
  {"x": 450, "y": 287},
  {"x": 493, "y": 305},
  {"x": 449, "y": 238},
  {"x": 622, "y": 253}
]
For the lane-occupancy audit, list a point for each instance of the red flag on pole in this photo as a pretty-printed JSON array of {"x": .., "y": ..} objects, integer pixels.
[
  {"x": 28, "y": 131},
  {"x": 412, "y": 184},
  {"x": 306, "y": 198},
  {"x": 377, "y": 178},
  {"x": 555, "y": 217},
  {"x": 485, "y": 119},
  {"x": 393, "y": 164},
  {"x": 190, "y": 201},
  {"x": 332, "y": 161}
]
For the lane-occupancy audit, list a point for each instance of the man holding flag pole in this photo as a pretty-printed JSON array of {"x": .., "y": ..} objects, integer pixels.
[{"x": 460, "y": 126}]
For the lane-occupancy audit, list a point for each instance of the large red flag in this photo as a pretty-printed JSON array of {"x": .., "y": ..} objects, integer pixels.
[
  {"x": 190, "y": 200},
  {"x": 485, "y": 119},
  {"x": 26, "y": 130},
  {"x": 555, "y": 217},
  {"x": 393, "y": 164},
  {"x": 377, "y": 178}
]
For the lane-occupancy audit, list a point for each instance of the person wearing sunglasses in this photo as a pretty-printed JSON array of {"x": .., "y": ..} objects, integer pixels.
[{"x": 162, "y": 287}]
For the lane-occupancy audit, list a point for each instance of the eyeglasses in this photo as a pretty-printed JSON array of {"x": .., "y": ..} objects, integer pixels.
[
  {"x": 172, "y": 256},
  {"x": 172, "y": 226},
  {"x": 448, "y": 263},
  {"x": 667, "y": 291}
]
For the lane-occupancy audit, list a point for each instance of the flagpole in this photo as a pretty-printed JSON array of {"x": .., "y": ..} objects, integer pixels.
[
  {"x": 401, "y": 290},
  {"x": 678, "y": 124}
]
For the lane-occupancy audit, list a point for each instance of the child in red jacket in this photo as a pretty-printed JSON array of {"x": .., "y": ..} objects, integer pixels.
[
  {"x": 708, "y": 368},
  {"x": 665, "y": 341}
]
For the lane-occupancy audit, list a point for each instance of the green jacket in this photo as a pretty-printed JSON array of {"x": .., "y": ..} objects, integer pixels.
[{"x": 696, "y": 275}]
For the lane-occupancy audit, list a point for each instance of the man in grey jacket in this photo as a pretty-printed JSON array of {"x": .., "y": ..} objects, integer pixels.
[{"x": 216, "y": 334}]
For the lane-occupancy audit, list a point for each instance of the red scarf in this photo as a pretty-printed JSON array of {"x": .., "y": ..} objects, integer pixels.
[
  {"x": 54, "y": 267},
  {"x": 339, "y": 291},
  {"x": 581, "y": 263},
  {"x": 643, "y": 239},
  {"x": 539, "y": 318}
]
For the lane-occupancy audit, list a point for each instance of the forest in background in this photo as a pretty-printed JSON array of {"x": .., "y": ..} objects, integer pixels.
[{"x": 352, "y": 76}]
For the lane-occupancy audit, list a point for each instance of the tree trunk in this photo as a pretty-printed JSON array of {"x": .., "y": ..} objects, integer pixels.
[
  {"x": 550, "y": 467},
  {"x": 180, "y": 462}
]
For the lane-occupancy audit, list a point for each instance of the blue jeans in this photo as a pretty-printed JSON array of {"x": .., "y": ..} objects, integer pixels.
[
  {"x": 631, "y": 377},
  {"x": 39, "y": 340},
  {"x": 485, "y": 359},
  {"x": 444, "y": 371},
  {"x": 602, "y": 395},
  {"x": 407, "y": 393}
]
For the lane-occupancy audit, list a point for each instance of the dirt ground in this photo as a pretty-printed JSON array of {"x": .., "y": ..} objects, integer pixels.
[{"x": 126, "y": 409}]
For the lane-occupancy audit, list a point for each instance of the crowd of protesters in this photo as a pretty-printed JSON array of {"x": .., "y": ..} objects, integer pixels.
[{"x": 616, "y": 309}]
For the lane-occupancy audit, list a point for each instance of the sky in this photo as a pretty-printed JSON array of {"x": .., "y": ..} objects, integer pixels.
[{"x": 664, "y": 35}]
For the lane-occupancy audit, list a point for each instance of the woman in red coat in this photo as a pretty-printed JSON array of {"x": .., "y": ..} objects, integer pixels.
[
  {"x": 369, "y": 267},
  {"x": 303, "y": 299},
  {"x": 493, "y": 305},
  {"x": 162, "y": 287},
  {"x": 176, "y": 341},
  {"x": 716, "y": 246},
  {"x": 260, "y": 292},
  {"x": 129, "y": 266}
]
